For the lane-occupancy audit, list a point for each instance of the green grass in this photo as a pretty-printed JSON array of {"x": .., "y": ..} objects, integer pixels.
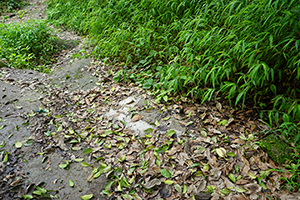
[
  {"x": 27, "y": 45},
  {"x": 242, "y": 50}
]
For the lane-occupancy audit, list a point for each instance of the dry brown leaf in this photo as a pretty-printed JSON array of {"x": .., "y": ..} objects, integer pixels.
[
  {"x": 136, "y": 117},
  {"x": 202, "y": 186},
  {"x": 215, "y": 174},
  {"x": 182, "y": 158},
  {"x": 48, "y": 165},
  {"x": 239, "y": 197},
  {"x": 151, "y": 159},
  {"x": 252, "y": 188},
  {"x": 221, "y": 152},
  {"x": 219, "y": 106},
  {"x": 130, "y": 158},
  {"x": 191, "y": 189},
  {"x": 208, "y": 157},
  {"x": 215, "y": 197},
  {"x": 176, "y": 116},
  {"x": 202, "y": 116},
  {"x": 152, "y": 183},
  {"x": 59, "y": 139},
  {"x": 230, "y": 120},
  {"x": 245, "y": 160},
  {"x": 231, "y": 165},
  {"x": 238, "y": 141},
  {"x": 16, "y": 181},
  {"x": 242, "y": 182},
  {"x": 245, "y": 170},
  {"x": 183, "y": 123},
  {"x": 87, "y": 101},
  {"x": 215, "y": 131},
  {"x": 189, "y": 162},
  {"x": 227, "y": 182}
]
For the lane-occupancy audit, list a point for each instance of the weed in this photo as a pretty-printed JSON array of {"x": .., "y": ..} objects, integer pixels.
[
  {"x": 294, "y": 168},
  {"x": 211, "y": 44},
  {"x": 27, "y": 45},
  {"x": 11, "y": 5}
]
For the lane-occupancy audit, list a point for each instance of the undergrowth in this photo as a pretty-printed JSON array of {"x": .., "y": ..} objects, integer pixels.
[
  {"x": 11, "y": 5},
  {"x": 26, "y": 45},
  {"x": 244, "y": 50}
]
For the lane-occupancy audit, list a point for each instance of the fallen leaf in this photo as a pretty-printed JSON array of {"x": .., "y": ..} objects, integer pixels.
[
  {"x": 240, "y": 189},
  {"x": 152, "y": 183},
  {"x": 166, "y": 173},
  {"x": 27, "y": 196},
  {"x": 148, "y": 130},
  {"x": 136, "y": 117},
  {"x": 1, "y": 127},
  {"x": 166, "y": 118},
  {"x": 232, "y": 177},
  {"x": 219, "y": 106},
  {"x": 18, "y": 144},
  {"x": 78, "y": 159},
  {"x": 178, "y": 188},
  {"x": 221, "y": 152},
  {"x": 157, "y": 123},
  {"x": 176, "y": 116},
  {"x": 16, "y": 181},
  {"x": 252, "y": 188},
  {"x": 229, "y": 121},
  {"x": 168, "y": 182},
  {"x": 170, "y": 133},
  {"x": 223, "y": 122},
  {"x": 87, "y": 197},
  {"x": 87, "y": 151},
  {"x": 84, "y": 164},
  {"x": 71, "y": 183}
]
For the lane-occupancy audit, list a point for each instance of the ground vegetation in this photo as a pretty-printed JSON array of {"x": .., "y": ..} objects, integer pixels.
[{"x": 244, "y": 51}]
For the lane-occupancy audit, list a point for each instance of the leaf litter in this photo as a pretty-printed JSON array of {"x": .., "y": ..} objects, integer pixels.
[{"x": 216, "y": 157}]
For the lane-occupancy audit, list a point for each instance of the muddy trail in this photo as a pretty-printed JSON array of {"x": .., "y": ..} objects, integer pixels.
[{"x": 76, "y": 134}]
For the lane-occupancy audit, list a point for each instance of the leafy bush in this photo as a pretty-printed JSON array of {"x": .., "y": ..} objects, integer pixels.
[
  {"x": 244, "y": 50},
  {"x": 27, "y": 45},
  {"x": 10, "y": 5}
]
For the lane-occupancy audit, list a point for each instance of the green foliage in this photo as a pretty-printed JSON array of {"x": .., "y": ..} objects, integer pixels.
[
  {"x": 293, "y": 167},
  {"x": 241, "y": 49},
  {"x": 27, "y": 45},
  {"x": 10, "y": 5},
  {"x": 245, "y": 50}
]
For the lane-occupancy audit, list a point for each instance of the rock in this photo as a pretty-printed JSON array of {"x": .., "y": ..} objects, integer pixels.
[{"x": 202, "y": 196}]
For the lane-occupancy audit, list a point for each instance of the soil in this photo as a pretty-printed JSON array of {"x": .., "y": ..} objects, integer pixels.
[{"x": 30, "y": 100}]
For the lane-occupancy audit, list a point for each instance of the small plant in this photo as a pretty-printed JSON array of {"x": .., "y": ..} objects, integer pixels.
[
  {"x": 21, "y": 13},
  {"x": 294, "y": 168},
  {"x": 26, "y": 45},
  {"x": 41, "y": 191},
  {"x": 11, "y": 5}
]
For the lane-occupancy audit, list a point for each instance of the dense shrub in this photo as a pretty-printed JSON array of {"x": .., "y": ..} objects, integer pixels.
[
  {"x": 242, "y": 49},
  {"x": 26, "y": 45}
]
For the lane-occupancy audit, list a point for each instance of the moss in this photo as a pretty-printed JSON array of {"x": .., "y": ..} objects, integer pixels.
[
  {"x": 65, "y": 44},
  {"x": 278, "y": 150}
]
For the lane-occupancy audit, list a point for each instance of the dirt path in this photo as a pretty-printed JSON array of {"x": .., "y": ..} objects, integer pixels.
[{"x": 76, "y": 132}]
